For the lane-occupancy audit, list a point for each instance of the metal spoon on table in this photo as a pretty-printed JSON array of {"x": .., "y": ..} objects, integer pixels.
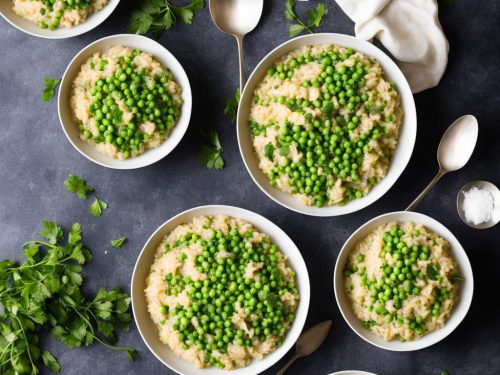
[
  {"x": 236, "y": 18},
  {"x": 308, "y": 342},
  {"x": 454, "y": 151}
]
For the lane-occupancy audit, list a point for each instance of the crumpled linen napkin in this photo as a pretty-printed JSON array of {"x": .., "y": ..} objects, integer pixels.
[{"x": 410, "y": 30}]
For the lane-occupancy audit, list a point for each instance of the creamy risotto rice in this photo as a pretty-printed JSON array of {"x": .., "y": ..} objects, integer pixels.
[
  {"x": 402, "y": 281},
  {"x": 220, "y": 292},
  {"x": 325, "y": 123},
  {"x": 51, "y": 14}
]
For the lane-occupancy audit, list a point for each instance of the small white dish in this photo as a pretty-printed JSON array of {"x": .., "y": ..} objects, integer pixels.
[
  {"x": 402, "y": 152},
  {"x": 459, "y": 310},
  {"x": 352, "y": 372},
  {"x": 495, "y": 193},
  {"x": 20, "y": 23},
  {"x": 166, "y": 59},
  {"x": 148, "y": 330}
]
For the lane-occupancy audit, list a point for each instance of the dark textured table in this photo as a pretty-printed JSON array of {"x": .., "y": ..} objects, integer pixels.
[{"x": 35, "y": 159}]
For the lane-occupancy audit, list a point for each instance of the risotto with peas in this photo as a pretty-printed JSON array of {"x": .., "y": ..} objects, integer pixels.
[
  {"x": 325, "y": 123},
  {"x": 402, "y": 281},
  {"x": 125, "y": 102},
  {"x": 220, "y": 292},
  {"x": 50, "y": 14}
]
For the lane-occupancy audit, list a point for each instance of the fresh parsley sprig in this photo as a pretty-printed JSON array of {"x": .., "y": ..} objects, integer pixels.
[
  {"x": 160, "y": 15},
  {"x": 314, "y": 18},
  {"x": 232, "y": 103},
  {"x": 78, "y": 186},
  {"x": 49, "y": 88},
  {"x": 211, "y": 156},
  {"x": 43, "y": 293}
]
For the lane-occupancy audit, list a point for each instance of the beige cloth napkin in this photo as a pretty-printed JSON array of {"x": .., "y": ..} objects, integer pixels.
[{"x": 410, "y": 30}]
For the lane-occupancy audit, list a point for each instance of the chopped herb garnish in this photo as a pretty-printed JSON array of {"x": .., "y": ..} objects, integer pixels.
[
  {"x": 78, "y": 186},
  {"x": 97, "y": 207},
  {"x": 49, "y": 88},
  {"x": 314, "y": 18},
  {"x": 211, "y": 156},
  {"x": 118, "y": 242},
  {"x": 232, "y": 103}
]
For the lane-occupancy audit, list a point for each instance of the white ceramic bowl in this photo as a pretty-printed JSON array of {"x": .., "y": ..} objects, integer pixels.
[
  {"x": 92, "y": 21},
  {"x": 402, "y": 153},
  {"x": 459, "y": 310},
  {"x": 149, "y": 331},
  {"x": 166, "y": 59},
  {"x": 352, "y": 372}
]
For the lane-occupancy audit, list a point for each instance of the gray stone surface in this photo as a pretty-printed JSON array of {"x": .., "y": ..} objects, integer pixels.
[{"x": 35, "y": 158}]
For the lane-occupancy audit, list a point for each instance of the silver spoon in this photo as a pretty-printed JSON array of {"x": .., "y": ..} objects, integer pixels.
[
  {"x": 308, "y": 342},
  {"x": 236, "y": 18},
  {"x": 454, "y": 151}
]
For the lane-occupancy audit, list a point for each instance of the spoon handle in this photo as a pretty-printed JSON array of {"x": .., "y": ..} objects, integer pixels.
[
  {"x": 421, "y": 196},
  {"x": 239, "y": 39},
  {"x": 285, "y": 367}
]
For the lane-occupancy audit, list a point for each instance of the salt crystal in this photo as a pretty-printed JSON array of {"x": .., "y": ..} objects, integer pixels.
[{"x": 478, "y": 205}]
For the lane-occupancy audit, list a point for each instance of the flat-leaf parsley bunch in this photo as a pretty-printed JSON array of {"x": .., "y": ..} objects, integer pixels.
[{"x": 44, "y": 293}]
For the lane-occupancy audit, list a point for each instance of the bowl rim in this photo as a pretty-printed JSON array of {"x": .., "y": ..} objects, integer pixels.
[
  {"x": 186, "y": 106},
  {"x": 232, "y": 211},
  {"x": 403, "y": 88},
  {"x": 464, "y": 264},
  {"x": 72, "y": 31}
]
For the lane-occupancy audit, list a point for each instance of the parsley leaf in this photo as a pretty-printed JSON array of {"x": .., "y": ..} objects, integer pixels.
[
  {"x": 211, "y": 156},
  {"x": 456, "y": 277},
  {"x": 119, "y": 242},
  {"x": 97, "y": 207},
  {"x": 284, "y": 150},
  {"x": 232, "y": 103},
  {"x": 327, "y": 110},
  {"x": 49, "y": 88},
  {"x": 50, "y": 361},
  {"x": 314, "y": 18},
  {"x": 75, "y": 234},
  {"x": 269, "y": 151},
  {"x": 78, "y": 186},
  {"x": 50, "y": 231},
  {"x": 160, "y": 15},
  {"x": 432, "y": 273}
]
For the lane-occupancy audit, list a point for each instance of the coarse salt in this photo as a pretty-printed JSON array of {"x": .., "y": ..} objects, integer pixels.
[{"x": 478, "y": 205}]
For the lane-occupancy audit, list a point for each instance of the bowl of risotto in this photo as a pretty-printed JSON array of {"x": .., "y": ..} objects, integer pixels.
[
  {"x": 326, "y": 124},
  {"x": 56, "y": 19},
  {"x": 124, "y": 102},
  {"x": 217, "y": 289},
  {"x": 403, "y": 282}
]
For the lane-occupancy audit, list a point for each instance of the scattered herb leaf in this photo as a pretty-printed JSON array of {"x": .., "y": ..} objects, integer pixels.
[
  {"x": 49, "y": 88},
  {"x": 211, "y": 156},
  {"x": 284, "y": 150},
  {"x": 160, "y": 15},
  {"x": 269, "y": 151},
  {"x": 456, "y": 277},
  {"x": 97, "y": 207},
  {"x": 119, "y": 242},
  {"x": 432, "y": 273},
  {"x": 314, "y": 18},
  {"x": 231, "y": 108},
  {"x": 78, "y": 186}
]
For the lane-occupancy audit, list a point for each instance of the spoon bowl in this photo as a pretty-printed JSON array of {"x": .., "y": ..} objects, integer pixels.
[
  {"x": 236, "y": 18},
  {"x": 454, "y": 151},
  {"x": 457, "y": 144}
]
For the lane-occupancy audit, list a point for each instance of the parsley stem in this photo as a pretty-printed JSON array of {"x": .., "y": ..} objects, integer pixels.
[{"x": 34, "y": 368}]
